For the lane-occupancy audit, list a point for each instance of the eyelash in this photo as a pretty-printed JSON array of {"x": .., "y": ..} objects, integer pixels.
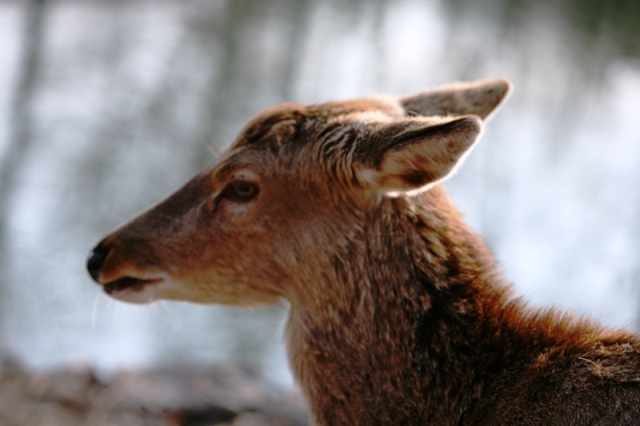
[
  {"x": 240, "y": 191},
  {"x": 234, "y": 192}
]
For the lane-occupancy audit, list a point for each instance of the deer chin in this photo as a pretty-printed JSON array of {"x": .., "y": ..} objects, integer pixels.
[{"x": 135, "y": 290}]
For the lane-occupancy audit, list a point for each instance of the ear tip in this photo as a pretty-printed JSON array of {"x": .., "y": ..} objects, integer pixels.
[
  {"x": 500, "y": 86},
  {"x": 505, "y": 86},
  {"x": 499, "y": 90},
  {"x": 473, "y": 124}
]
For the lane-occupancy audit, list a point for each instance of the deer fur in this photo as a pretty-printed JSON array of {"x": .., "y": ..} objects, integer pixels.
[{"x": 398, "y": 313}]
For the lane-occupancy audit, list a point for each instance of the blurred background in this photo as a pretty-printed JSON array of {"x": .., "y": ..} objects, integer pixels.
[{"x": 107, "y": 106}]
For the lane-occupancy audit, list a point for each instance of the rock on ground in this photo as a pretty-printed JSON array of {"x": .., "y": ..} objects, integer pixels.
[{"x": 185, "y": 396}]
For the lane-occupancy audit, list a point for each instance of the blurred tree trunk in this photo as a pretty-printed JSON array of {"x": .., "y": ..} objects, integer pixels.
[
  {"x": 239, "y": 77},
  {"x": 13, "y": 161},
  {"x": 21, "y": 119}
]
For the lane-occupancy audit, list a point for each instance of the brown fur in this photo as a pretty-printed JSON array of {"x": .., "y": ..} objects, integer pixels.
[{"x": 398, "y": 312}]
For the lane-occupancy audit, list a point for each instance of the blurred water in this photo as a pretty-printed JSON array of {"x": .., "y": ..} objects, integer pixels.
[{"x": 131, "y": 98}]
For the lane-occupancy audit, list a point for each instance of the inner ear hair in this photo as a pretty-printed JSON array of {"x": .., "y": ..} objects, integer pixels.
[{"x": 412, "y": 155}]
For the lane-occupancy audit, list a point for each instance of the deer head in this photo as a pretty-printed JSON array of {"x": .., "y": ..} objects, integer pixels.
[{"x": 296, "y": 184}]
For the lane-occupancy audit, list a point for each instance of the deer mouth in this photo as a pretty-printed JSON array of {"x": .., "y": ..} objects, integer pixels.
[{"x": 129, "y": 283}]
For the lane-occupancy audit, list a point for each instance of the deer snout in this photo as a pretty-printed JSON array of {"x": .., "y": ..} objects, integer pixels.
[
  {"x": 110, "y": 266},
  {"x": 96, "y": 260}
]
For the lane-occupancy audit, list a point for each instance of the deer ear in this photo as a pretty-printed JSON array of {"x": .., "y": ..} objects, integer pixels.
[
  {"x": 412, "y": 155},
  {"x": 479, "y": 98}
]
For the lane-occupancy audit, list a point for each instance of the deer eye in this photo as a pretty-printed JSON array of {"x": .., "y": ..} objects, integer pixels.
[{"x": 241, "y": 191}]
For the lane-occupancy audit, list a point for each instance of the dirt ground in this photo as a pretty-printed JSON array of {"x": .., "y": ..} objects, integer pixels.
[{"x": 189, "y": 396}]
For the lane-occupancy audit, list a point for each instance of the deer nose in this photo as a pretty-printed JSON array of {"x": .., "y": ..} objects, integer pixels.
[{"x": 96, "y": 260}]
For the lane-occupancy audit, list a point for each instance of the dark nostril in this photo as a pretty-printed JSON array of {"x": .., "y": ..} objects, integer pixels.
[{"x": 96, "y": 260}]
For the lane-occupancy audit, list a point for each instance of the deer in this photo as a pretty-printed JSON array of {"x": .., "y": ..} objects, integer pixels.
[{"x": 398, "y": 312}]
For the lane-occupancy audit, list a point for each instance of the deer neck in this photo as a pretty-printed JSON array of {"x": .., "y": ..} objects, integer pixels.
[{"x": 395, "y": 317}]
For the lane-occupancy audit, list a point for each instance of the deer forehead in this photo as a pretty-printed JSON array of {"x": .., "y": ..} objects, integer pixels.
[
  {"x": 264, "y": 140},
  {"x": 283, "y": 120}
]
